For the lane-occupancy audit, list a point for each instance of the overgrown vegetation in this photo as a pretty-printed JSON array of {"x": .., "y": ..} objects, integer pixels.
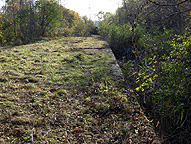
[
  {"x": 85, "y": 27},
  {"x": 63, "y": 91},
  {"x": 152, "y": 41}
]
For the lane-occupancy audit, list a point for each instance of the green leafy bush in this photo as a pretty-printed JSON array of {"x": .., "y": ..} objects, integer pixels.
[
  {"x": 85, "y": 27},
  {"x": 174, "y": 88},
  {"x": 160, "y": 75},
  {"x": 157, "y": 64},
  {"x": 164, "y": 85},
  {"x": 120, "y": 39}
]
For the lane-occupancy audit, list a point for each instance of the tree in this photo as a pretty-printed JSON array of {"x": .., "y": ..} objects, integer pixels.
[
  {"x": 24, "y": 21},
  {"x": 70, "y": 17},
  {"x": 48, "y": 16},
  {"x": 168, "y": 13}
]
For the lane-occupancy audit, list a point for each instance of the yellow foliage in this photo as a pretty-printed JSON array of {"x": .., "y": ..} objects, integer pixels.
[
  {"x": 1, "y": 21},
  {"x": 137, "y": 89}
]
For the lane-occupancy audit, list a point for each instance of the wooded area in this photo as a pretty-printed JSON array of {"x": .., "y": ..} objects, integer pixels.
[{"x": 22, "y": 22}]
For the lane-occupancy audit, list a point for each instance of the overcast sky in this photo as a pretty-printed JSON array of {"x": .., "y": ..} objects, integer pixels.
[
  {"x": 88, "y": 7},
  {"x": 91, "y": 7}
]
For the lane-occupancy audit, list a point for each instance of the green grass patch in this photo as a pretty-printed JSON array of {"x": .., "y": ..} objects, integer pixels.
[{"x": 62, "y": 91}]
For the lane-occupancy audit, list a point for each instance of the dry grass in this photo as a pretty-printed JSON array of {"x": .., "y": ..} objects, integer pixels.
[{"x": 63, "y": 91}]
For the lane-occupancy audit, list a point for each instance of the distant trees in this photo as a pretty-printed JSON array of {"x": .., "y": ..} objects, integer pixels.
[
  {"x": 48, "y": 15},
  {"x": 70, "y": 18},
  {"x": 85, "y": 27},
  {"x": 23, "y": 21}
]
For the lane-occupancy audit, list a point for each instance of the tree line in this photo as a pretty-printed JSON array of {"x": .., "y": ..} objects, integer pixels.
[
  {"x": 22, "y": 21},
  {"x": 152, "y": 41}
]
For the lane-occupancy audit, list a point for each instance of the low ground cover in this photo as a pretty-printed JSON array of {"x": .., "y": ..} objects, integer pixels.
[{"x": 63, "y": 91}]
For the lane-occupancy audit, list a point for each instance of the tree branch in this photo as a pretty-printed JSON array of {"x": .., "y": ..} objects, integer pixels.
[
  {"x": 167, "y": 5},
  {"x": 152, "y": 12},
  {"x": 172, "y": 15}
]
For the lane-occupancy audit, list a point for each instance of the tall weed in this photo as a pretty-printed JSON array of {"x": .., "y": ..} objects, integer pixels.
[
  {"x": 163, "y": 85},
  {"x": 160, "y": 76}
]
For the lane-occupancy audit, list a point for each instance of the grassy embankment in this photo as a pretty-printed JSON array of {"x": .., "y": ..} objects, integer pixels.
[{"x": 63, "y": 91}]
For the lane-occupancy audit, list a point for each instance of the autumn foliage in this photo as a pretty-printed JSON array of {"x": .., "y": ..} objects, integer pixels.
[{"x": 21, "y": 24}]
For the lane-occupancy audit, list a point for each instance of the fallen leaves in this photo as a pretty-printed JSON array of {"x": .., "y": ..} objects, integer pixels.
[{"x": 72, "y": 106}]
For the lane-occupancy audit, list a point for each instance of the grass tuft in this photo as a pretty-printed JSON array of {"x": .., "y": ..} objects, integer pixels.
[{"x": 62, "y": 91}]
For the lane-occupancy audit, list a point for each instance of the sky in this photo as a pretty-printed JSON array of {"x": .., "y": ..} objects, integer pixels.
[{"x": 88, "y": 7}]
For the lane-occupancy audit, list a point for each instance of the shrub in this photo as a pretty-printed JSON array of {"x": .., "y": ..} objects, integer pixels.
[
  {"x": 85, "y": 28},
  {"x": 67, "y": 32},
  {"x": 120, "y": 39},
  {"x": 163, "y": 85}
]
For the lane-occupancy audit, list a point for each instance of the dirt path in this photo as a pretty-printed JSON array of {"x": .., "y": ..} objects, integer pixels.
[{"x": 67, "y": 91}]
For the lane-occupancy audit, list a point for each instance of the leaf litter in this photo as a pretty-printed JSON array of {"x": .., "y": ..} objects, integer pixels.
[{"x": 64, "y": 91}]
